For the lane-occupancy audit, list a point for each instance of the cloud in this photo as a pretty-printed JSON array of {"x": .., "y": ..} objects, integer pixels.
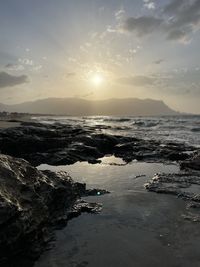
[
  {"x": 120, "y": 14},
  {"x": 177, "y": 34},
  {"x": 71, "y": 59},
  {"x": 174, "y": 6},
  {"x": 70, "y": 74},
  {"x": 142, "y": 25},
  {"x": 177, "y": 82},
  {"x": 149, "y": 4},
  {"x": 180, "y": 81},
  {"x": 14, "y": 67},
  {"x": 26, "y": 61},
  {"x": 138, "y": 80},
  {"x": 159, "y": 61},
  {"x": 185, "y": 20},
  {"x": 36, "y": 68},
  {"x": 7, "y": 80},
  {"x": 178, "y": 21}
]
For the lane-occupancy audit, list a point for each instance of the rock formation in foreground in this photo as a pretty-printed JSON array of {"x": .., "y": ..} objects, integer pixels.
[{"x": 33, "y": 201}]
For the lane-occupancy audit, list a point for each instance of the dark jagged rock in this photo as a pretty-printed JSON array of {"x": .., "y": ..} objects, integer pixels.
[
  {"x": 176, "y": 183},
  {"x": 33, "y": 201},
  {"x": 193, "y": 162},
  {"x": 83, "y": 206},
  {"x": 57, "y": 144},
  {"x": 184, "y": 185},
  {"x": 151, "y": 150}
]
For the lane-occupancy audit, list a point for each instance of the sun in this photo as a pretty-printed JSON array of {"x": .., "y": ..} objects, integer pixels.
[{"x": 97, "y": 79}]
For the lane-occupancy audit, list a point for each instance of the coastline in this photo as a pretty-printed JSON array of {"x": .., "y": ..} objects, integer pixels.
[{"x": 58, "y": 144}]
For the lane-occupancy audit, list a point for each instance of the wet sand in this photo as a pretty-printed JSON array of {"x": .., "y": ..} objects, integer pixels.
[{"x": 136, "y": 228}]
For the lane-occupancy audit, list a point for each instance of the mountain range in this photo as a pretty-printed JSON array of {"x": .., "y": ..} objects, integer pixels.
[{"x": 82, "y": 107}]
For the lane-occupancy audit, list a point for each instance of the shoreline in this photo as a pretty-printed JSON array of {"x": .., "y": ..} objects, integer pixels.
[{"x": 66, "y": 144}]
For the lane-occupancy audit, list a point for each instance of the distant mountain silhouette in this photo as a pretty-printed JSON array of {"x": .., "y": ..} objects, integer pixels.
[{"x": 82, "y": 107}]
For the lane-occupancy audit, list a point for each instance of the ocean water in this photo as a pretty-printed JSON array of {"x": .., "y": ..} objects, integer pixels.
[{"x": 169, "y": 128}]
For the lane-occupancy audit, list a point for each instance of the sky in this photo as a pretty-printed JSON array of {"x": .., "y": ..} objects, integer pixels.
[{"x": 99, "y": 49}]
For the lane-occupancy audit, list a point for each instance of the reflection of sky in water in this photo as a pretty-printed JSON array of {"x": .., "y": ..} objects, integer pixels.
[
  {"x": 135, "y": 228},
  {"x": 110, "y": 176}
]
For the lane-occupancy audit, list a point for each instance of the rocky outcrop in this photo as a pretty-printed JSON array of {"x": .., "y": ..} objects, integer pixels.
[
  {"x": 59, "y": 144},
  {"x": 32, "y": 202},
  {"x": 193, "y": 162},
  {"x": 180, "y": 184},
  {"x": 185, "y": 185}
]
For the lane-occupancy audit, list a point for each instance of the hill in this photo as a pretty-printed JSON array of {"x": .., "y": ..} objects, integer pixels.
[{"x": 82, "y": 107}]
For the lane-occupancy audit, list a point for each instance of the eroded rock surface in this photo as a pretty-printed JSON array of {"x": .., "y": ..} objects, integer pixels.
[
  {"x": 59, "y": 144},
  {"x": 193, "y": 162},
  {"x": 31, "y": 202},
  {"x": 185, "y": 185}
]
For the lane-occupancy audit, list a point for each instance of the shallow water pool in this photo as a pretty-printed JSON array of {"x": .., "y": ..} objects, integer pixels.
[{"x": 135, "y": 228}]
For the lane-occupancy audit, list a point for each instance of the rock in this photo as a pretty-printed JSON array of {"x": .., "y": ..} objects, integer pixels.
[
  {"x": 29, "y": 201},
  {"x": 193, "y": 162},
  {"x": 176, "y": 156},
  {"x": 184, "y": 185},
  {"x": 57, "y": 144},
  {"x": 191, "y": 217},
  {"x": 33, "y": 201},
  {"x": 83, "y": 206},
  {"x": 94, "y": 161},
  {"x": 175, "y": 183}
]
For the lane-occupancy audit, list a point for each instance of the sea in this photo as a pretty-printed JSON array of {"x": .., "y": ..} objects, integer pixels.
[
  {"x": 135, "y": 227},
  {"x": 165, "y": 128}
]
